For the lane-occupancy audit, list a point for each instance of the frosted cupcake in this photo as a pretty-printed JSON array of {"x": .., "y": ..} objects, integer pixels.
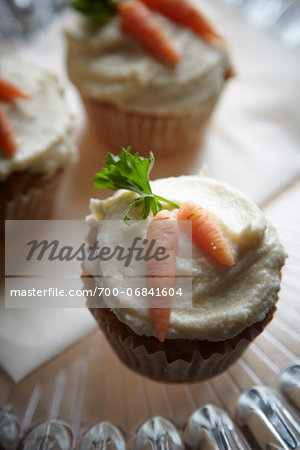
[
  {"x": 36, "y": 140},
  {"x": 235, "y": 270},
  {"x": 156, "y": 93}
]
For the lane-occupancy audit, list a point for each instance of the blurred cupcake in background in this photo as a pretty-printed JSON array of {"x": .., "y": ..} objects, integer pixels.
[
  {"x": 35, "y": 140},
  {"x": 149, "y": 72}
]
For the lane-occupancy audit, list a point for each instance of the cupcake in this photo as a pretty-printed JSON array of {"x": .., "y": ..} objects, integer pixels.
[
  {"x": 232, "y": 256},
  {"x": 148, "y": 74},
  {"x": 36, "y": 141}
]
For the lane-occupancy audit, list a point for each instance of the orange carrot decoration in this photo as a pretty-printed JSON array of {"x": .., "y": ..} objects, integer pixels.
[
  {"x": 184, "y": 13},
  {"x": 7, "y": 141},
  {"x": 140, "y": 22},
  {"x": 9, "y": 91},
  {"x": 229, "y": 74},
  {"x": 206, "y": 232},
  {"x": 161, "y": 274}
]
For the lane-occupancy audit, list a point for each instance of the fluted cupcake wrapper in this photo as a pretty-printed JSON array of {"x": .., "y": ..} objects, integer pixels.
[
  {"x": 144, "y": 132},
  {"x": 175, "y": 360},
  {"x": 34, "y": 200}
]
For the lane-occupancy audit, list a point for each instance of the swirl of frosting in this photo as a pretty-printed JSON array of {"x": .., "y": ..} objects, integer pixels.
[{"x": 225, "y": 300}]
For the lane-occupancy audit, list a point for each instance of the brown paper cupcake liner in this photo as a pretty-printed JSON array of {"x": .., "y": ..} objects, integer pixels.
[
  {"x": 28, "y": 196},
  {"x": 145, "y": 132},
  {"x": 174, "y": 360}
]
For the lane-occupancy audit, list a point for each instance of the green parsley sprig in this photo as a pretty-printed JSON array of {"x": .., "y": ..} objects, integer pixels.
[
  {"x": 100, "y": 10},
  {"x": 128, "y": 171}
]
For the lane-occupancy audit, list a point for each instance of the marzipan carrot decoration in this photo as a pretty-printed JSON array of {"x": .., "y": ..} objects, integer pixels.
[
  {"x": 141, "y": 23},
  {"x": 206, "y": 233},
  {"x": 161, "y": 274},
  {"x": 184, "y": 13},
  {"x": 7, "y": 141},
  {"x": 229, "y": 74},
  {"x": 9, "y": 91}
]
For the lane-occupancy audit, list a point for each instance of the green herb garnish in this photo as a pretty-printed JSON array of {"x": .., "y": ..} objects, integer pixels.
[
  {"x": 100, "y": 10},
  {"x": 128, "y": 171}
]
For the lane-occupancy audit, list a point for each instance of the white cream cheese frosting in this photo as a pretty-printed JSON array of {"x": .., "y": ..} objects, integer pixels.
[
  {"x": 225, "y": 300},
  {"x": 41, "y": 125},
  {"x": 109, "y": 65}
]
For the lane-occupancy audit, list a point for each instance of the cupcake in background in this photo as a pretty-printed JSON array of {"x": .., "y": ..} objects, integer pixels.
[
  {"x": 234, "y": 266},
  {"x": 36, "y": 142},
  {"x": 149, "y": 72}
]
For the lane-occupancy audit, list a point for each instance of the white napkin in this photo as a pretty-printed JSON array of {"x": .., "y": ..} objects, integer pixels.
[
  {"x": 30, "y": 337},
  {"x": 253, "y": 144}
]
